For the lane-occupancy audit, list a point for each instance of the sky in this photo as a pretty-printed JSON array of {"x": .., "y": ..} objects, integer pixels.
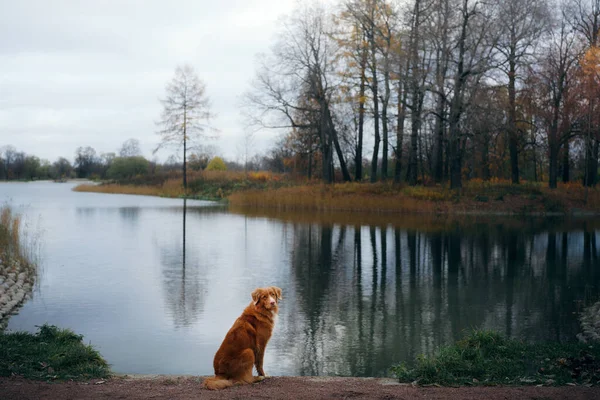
[{"x": 91, "y": 72}]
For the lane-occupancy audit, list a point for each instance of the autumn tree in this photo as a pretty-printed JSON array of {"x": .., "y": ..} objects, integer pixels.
[
  {"x": 553, "y": 85},
  {"x": 351, "y": 38},
  {"x": 584, "y": 18},
  {"x": 186, "y": 113}
]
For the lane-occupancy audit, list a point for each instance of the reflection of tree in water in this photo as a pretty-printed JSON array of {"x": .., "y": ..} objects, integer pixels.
[
  {"x": 182, "y": 279},
  {"x": 131, "y": 214},
  {"x": 382, "y": 295}
]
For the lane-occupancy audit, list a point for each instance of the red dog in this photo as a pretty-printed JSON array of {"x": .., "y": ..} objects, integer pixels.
[{"x": 245, "y": 343}]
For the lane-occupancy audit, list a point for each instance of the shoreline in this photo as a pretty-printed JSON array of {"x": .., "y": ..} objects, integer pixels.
[{"x": 386, "y": 198}]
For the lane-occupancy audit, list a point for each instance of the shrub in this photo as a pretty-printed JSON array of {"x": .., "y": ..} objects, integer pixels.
[
  {"x": 127, "y": 167},
  {"x": 216, "y": 164}
]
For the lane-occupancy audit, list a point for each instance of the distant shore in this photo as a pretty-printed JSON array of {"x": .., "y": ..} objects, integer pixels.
[{"x": 476, "y": 198}]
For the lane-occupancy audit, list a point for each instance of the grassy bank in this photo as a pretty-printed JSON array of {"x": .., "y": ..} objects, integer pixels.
[
  {"x": 475, "y": 197},
  {"x": 487, "y": 358},
  {"x": 51, "y": 353}
]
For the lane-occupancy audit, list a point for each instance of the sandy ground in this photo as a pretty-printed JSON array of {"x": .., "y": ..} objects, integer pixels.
[{"x": 173, "y": 387}]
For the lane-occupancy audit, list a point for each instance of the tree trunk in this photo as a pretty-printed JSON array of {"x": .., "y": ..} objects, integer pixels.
[
  {"x": 185, "y": 151},
  {"x": 485, "y": 158},
  {"x": 565, "y": 168},
  {"x": 402, "y": 90},
  {"x": 358, "y": 174},
  {"x": 456, "y": 106},
  {"x": 438, "y": 141},
  {"x": 440, "y": 106},
  {"x": 416, "y": 96},
  {"x": 513, "y": 139},
  {"x": 553, "y": 166},
  {"x": 374, "y": 89},
  {"x": 415, "y": 120},
  {"x": 384, "y": 121},
  {"x": 591, "y": 156},
  {"x": 333, "y": 134},
  {"x": 455, "y": 157}
]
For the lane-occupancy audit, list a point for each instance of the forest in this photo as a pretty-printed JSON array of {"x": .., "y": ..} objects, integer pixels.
[{"x": 442, "y": 90}]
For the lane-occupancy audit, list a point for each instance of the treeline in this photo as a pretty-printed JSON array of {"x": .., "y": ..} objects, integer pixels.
[
  {"x": 127, "y": 165},
  {"x": 435, "y": 91}
]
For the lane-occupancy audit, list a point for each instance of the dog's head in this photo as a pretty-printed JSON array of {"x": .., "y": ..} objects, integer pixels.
[{"x": 267, "y": 298}]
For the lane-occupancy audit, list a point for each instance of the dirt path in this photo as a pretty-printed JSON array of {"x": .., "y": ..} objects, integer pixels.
[{"x": 164, "y": 387}]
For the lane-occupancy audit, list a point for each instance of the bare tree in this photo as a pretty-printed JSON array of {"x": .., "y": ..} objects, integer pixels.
[
  {"x": 440, "y": 29},
  {"x": 130, "y": 148},
  {"x": 245, "y": 147},
  {"x": 296, "y": 85},
  {"x": 416, "y": 75},
  {"x": 472, "y": 57},
  {"x": 186, "y": 113},
  {"x": 522, "y": 23}
]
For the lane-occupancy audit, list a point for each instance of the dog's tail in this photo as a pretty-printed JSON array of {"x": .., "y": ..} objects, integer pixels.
[{"x": 217, "y": 383}]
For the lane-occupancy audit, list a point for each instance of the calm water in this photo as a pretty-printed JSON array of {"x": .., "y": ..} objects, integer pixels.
[{"x": 359, "y": 296}]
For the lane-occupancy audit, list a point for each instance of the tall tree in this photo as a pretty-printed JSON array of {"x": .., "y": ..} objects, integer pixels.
[
  {"x": 186, "y": 113},
  {"x": 522, "y": 23},
  {"x": 439, "y": 32},
  {"x": 351, "y": 37},
  {"x": 472, "y": 56},
  {"x": 584, "y": 17},
  {"x": 417, "y": 78},
  {"x": 297, "y": 85},
  {"x": 553, "y": 83}
]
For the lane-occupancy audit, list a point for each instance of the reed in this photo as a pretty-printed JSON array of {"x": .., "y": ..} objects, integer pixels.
[{"x": 10, "y": 244}]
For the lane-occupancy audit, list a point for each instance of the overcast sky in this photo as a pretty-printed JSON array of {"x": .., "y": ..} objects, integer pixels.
[{"x": 91, "y": 72}]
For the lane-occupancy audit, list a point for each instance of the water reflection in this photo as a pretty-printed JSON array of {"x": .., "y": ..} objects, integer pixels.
[
  {"x": 130, "y": 214},
  {"x": 370, "y": 296},
  {"x": 182, "y": 278}
]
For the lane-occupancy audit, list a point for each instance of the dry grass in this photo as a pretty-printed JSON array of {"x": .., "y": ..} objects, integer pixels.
[
  {"x": 476, "y": 197},
  {"x": 10, "y": 225},
  {"x": 170, "y": 188},
  {"x": 341, "y": 197}
]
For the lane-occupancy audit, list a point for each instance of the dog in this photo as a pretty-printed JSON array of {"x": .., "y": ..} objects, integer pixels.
[{"x": 245, "y": 343}]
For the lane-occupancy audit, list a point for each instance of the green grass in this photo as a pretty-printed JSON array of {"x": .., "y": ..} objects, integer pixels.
[
  {"x": 487, "y": 358},
  {"x": 51, "y": 353}
]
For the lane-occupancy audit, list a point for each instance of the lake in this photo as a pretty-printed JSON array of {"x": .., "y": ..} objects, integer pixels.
[{"x": 154, "y": 284}]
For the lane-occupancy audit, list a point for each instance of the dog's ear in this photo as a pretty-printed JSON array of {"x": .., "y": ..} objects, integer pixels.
[
  {"x": 277, "y": 292},
  {"x": 256, "y": 295}
]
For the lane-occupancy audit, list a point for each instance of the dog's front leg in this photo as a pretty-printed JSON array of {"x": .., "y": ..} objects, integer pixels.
[{"x": 258, "y": 362}]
